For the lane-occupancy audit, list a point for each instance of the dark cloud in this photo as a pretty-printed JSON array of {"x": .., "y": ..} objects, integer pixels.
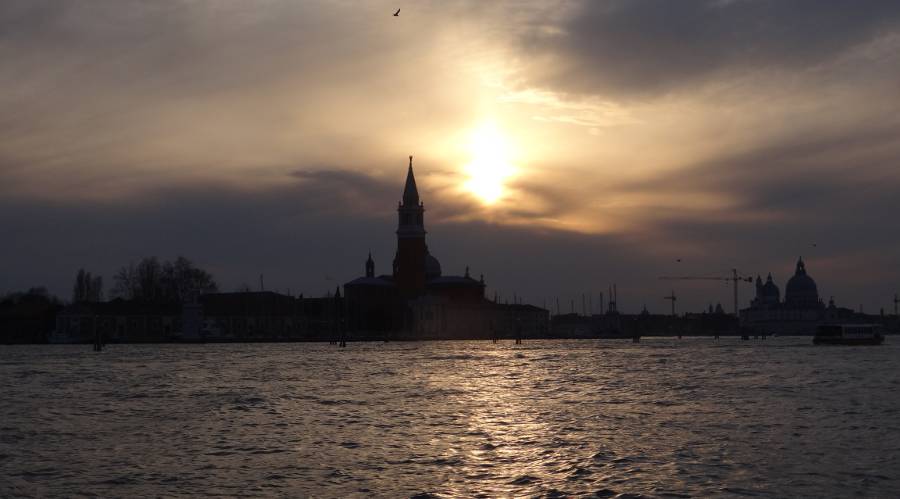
[
  {"x": 311, "y": 235},
  {"x": 798, "y": 178},
  {"x": 333, "y": 189},
  {"x": 308, "y": 237},
  {"x": 651, "y": 46},
  {"x": 131, "y": 128},
  {"x": 825, "y": 198},
  {"x": 292, "y": 233}
]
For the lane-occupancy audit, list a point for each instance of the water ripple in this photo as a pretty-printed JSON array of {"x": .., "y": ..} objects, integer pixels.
[{"x": 606, "y": 419}]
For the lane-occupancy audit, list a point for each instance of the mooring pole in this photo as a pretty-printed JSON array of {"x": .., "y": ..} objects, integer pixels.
[{"x": 98, "y": 339}]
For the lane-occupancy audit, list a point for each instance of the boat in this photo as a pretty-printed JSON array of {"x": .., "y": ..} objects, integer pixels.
[{"x": 848, "y": 334}]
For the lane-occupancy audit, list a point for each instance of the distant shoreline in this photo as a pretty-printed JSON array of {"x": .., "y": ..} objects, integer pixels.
[{"x": 413, "y": 340}]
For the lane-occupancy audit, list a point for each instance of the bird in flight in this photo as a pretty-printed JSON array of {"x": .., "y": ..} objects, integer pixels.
[{"x": 397, "y": 14}]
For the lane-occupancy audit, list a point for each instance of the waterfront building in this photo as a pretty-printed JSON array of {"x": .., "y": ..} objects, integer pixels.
[
  {"x": 118, "y": 321},
  {"x": 263, "y": 315},
  {"x": 240, "y": 316}
]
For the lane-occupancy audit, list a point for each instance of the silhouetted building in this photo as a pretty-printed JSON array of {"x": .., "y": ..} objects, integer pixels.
[
  {"x": 416, "y": 300},
  {"x": 614, "y": 324},
  {"x": 413, "y": 264},
  {"x": 574, "y": 325},
  {"x": 519, "y": 320},
  {"x": 28, "y": 317},
  {"x": 801, "y": 311},
  {"x": 439, "y": 317},
  {"x": 263, "y": 315},
  {"x": 374, "y": 304},
  {"x": 118, "y": 321},
  {"x": 241, "y": 316}
]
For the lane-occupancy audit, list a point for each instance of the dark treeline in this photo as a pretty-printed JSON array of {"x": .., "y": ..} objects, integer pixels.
[
  {"x": 31, "y": 296},
  {"x": 151, "y": 281},
  {"x": 148, "y": 280},
  {"x": 27, "y": 316}
]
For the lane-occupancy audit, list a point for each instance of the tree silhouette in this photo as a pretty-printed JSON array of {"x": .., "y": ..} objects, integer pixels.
[
  {"x": 152, "y": 281},
  {"x": 87, "y": 288}
]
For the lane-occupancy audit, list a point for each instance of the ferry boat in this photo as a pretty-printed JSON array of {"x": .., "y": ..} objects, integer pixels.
[{"x": 848, "y": 334}]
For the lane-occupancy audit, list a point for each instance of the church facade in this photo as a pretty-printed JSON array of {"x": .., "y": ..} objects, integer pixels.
[{"x": 416, "y": 300}]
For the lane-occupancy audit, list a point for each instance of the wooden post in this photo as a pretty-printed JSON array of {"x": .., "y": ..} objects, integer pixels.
[{"x": 98, "y": 339}]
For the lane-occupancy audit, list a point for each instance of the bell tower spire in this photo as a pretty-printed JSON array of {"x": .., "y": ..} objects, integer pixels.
[
  {"x": 410, "y": 261},
  {"x": 410, "y": 192},
  {"x": 411, "y": 211}
]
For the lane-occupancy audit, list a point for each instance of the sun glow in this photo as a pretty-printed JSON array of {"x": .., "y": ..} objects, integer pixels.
[{"x": 490, "y": 163}]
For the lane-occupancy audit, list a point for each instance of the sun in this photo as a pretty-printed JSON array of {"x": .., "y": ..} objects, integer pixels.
[{"x": 490, "y": 164}]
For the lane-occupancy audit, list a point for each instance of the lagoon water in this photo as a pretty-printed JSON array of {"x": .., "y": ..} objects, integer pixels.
[{"x": 599, "y": 418}]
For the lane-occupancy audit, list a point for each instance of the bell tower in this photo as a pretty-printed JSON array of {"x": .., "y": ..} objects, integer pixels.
[{"x": 409, "y": 262}]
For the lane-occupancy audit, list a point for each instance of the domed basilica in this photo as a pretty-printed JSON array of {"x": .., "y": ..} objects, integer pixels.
[
  {"x": 801, "y": 292},
  {"x": 800, "y": 312}
]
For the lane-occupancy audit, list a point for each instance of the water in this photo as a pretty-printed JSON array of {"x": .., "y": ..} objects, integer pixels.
[{"x": 663, "y": 418}]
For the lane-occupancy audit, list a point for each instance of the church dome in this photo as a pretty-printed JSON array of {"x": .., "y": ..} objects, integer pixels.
[
  {"x": 432, "y": 267},
  {"x": 801, "y": 290}
]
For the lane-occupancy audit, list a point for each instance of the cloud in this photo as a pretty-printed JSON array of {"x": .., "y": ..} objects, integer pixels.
[
  {"x": 825, "y": 198},
  {"x": 108, "y": 92},
  {"x": 345, "y": 191},
  {"x": 795, "y": 174},
  {"x": 651, "y": 47},
  {"x": 305, "y": 236},
  {"x": 271, "y": 137},
  {"x": 310, "y": 234}
]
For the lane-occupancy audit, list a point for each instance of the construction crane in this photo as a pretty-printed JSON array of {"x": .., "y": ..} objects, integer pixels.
[
  {"x": 671, "y": 297},
  {"x": 735, "y": 278}
]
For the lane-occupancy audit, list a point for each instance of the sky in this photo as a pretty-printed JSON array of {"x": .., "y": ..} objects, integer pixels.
[{"x": 558, "y": 146}]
